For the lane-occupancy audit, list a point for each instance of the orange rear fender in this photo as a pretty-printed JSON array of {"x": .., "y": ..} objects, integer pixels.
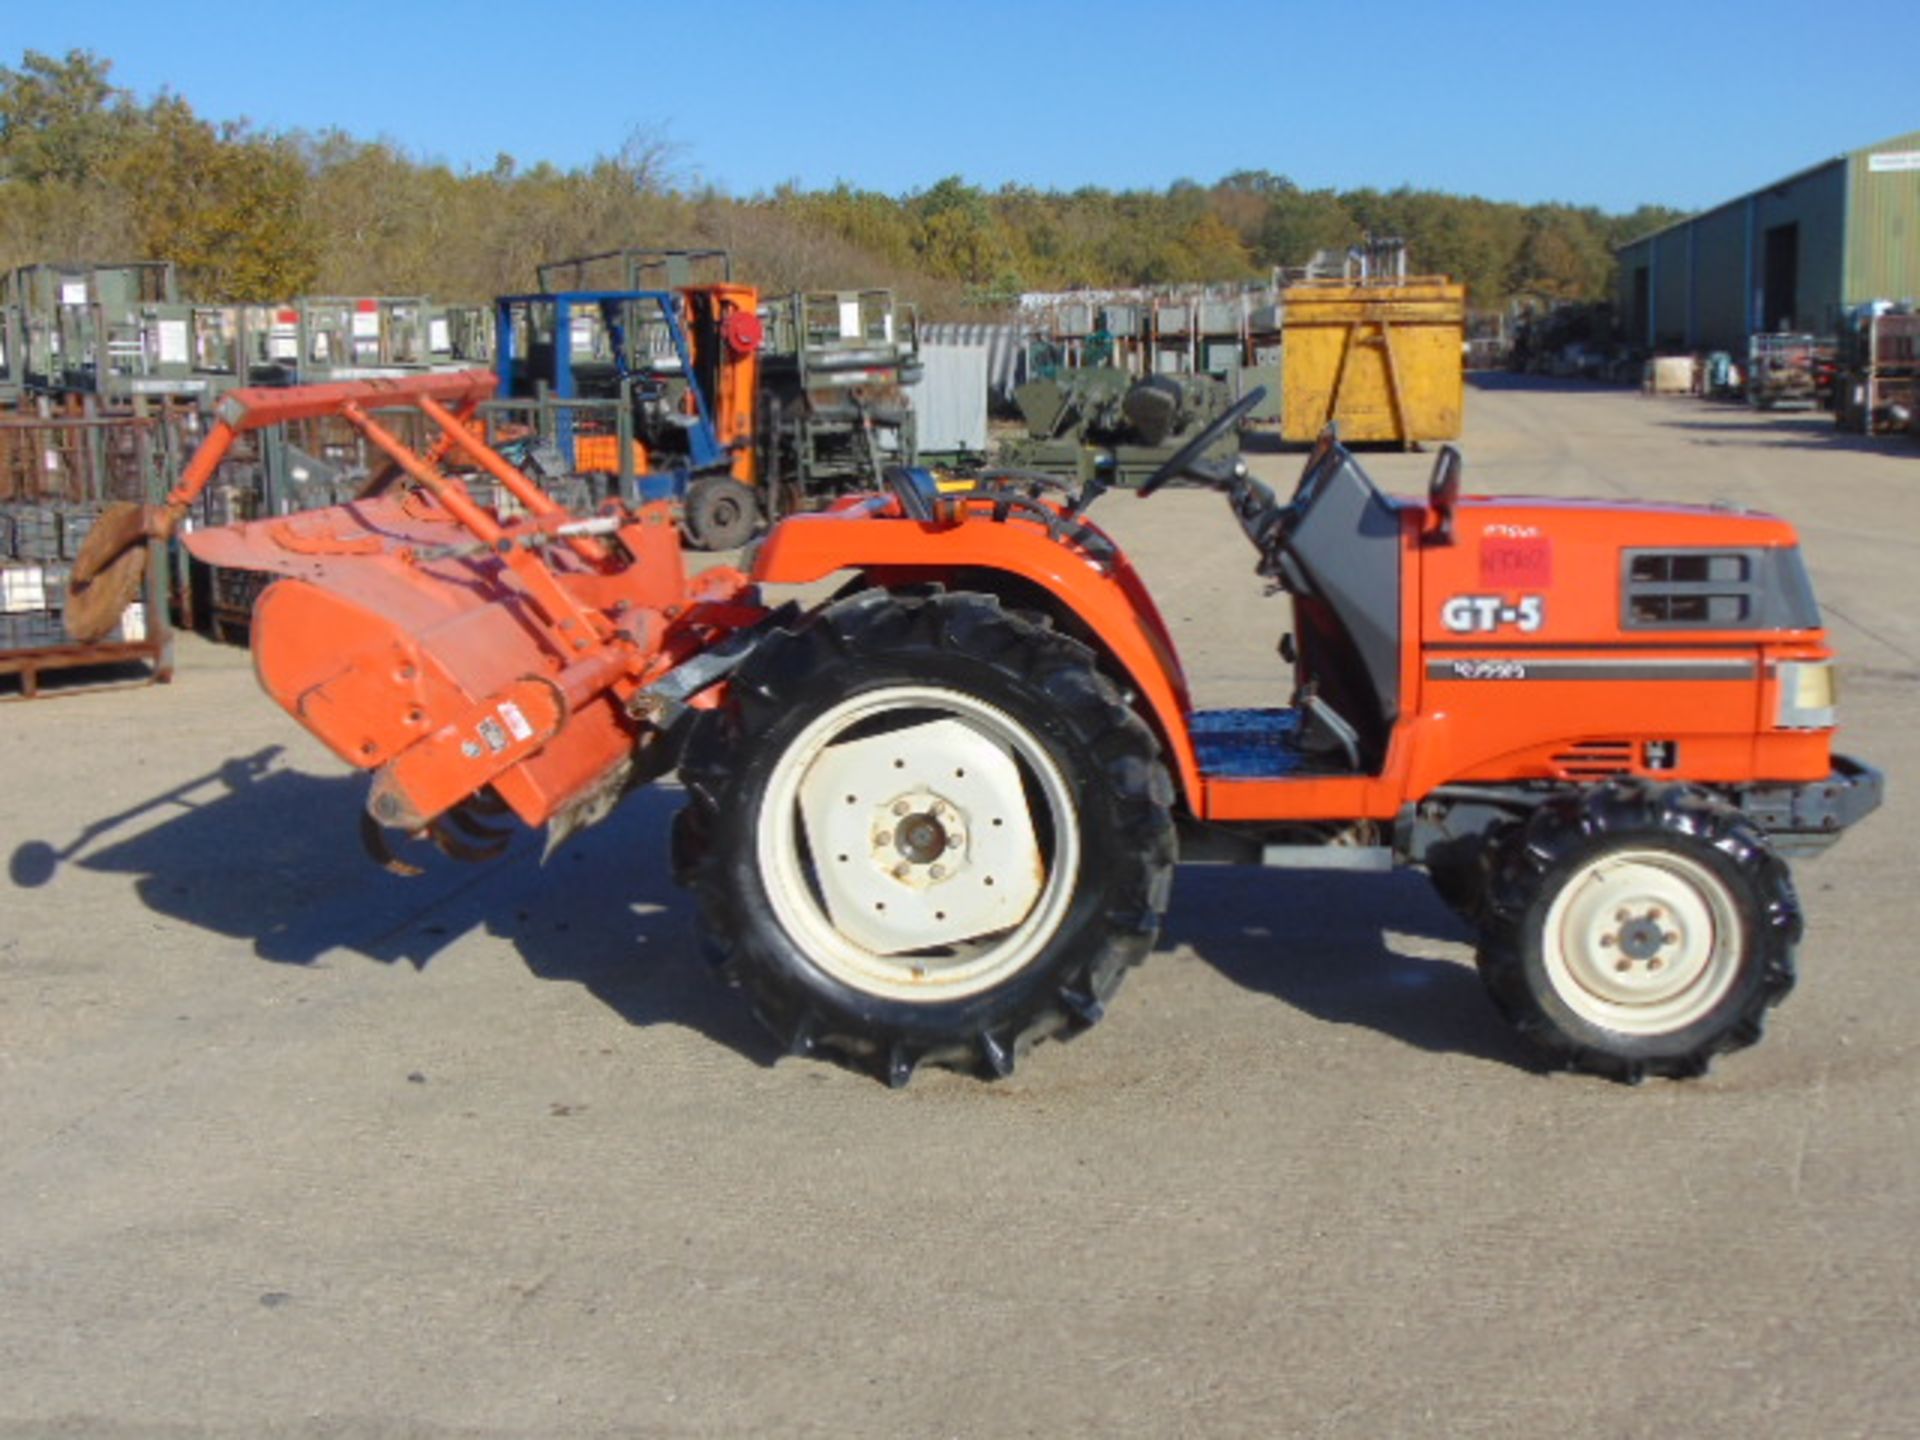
[{"x": 1109, "y": 600}]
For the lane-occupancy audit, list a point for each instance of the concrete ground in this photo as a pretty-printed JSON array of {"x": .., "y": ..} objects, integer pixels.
[{"x": 291, "y": 1147}]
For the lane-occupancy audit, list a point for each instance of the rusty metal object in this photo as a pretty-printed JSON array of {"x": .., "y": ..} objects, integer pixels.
[
  {"x": 470, "y": 852},
  {"x": 373, "y": 839},
  {"x": 96, "y": 602},
  {"x": 120, "y": 525}
]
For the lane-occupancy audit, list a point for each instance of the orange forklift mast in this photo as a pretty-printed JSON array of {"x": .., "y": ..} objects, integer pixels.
[{"x": 724, "y": 333}]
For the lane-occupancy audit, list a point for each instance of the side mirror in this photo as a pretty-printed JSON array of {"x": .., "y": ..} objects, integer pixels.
[{"x": 1443, "y": 492}]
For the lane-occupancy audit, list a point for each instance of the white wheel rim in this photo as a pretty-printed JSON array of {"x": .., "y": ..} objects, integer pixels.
[
  {"x": 1643, "y": 942},
  {"x": 927, "y": 861}
]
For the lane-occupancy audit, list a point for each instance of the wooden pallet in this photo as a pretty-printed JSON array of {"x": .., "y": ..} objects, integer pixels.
[
  {"x": 155, "y": 651},
  {"x": 30, "y": 665}
]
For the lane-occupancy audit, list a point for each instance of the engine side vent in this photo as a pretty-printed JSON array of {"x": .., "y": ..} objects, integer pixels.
[
  {"x": 1692, "y": 589},
  {"x": 1594, "y": 759}
]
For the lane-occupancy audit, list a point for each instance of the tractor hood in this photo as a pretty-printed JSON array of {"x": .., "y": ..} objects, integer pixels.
[
  {"x": 1635, "y": 522},
  {"x": 1584, "y": 571}
]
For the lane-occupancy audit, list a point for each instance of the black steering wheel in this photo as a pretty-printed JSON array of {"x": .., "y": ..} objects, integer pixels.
[{"x": 1183, "y": 459}]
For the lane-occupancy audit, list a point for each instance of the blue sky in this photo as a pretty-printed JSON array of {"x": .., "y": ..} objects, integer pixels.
[{"x": 1679, "y": 103}]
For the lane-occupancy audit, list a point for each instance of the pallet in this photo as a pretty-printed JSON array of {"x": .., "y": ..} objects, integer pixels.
[
  {"x": 154, "y": 650},
  {"x": 30, "y": 665}
]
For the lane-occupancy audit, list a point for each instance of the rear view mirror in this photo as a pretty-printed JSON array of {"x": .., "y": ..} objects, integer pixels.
[{"x": 1443, "y": 490}]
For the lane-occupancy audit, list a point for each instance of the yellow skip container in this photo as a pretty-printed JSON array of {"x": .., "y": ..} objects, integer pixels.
[{"x": 1384, "y": 360}]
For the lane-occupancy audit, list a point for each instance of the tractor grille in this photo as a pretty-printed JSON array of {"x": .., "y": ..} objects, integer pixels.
[{"x": 1594, "y": 759}]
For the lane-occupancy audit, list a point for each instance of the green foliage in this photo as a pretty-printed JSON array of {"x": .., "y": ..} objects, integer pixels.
[
  {"x": 60, "y": 120},
  {"x": 223, "y": 206},
  {"x": 86, "y": 172}
]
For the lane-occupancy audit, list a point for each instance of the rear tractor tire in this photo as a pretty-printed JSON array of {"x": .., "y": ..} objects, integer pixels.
[
  {"x": 1634, "y": 930},
  {"x": 925, "y": 830}
]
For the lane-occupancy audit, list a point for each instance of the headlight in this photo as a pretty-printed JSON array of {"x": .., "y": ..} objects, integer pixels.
[{"x": 1807, "y": 694}]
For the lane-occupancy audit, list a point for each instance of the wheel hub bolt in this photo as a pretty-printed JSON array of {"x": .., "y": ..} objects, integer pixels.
[
  {"x": 918, "y": 838},
  {"x": 1641, "y": 940}
]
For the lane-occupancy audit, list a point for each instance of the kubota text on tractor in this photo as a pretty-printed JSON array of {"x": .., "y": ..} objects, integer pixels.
[{"x": 936, "y": 817}]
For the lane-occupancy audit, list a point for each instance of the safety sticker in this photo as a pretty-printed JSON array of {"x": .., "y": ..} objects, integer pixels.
[
  {"x": 1485, "y": 670},
  {"x": 1509, "y": 563},
  {"x": 491, "y": 732},
  {"x": 516, "y": 720}
]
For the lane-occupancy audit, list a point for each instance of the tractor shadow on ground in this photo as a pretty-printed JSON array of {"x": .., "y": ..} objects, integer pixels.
[
  {"x": 269, "y": 855},
  {"x": 1323, "y": 943}
]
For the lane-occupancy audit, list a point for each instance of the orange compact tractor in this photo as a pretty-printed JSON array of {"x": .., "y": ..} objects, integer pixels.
[{"x": 936, "y": 817}]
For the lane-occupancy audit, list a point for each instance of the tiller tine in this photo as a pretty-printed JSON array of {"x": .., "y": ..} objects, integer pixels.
[
  {"x": 451, "y": 844},
  {"x": 374, "y": 840},
  {"x": 462, "y": 819}
]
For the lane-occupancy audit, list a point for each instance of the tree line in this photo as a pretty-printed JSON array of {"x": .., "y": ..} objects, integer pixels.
[{"x": 90, "y": 172}]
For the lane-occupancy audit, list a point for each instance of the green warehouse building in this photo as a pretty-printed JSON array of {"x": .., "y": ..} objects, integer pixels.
[{"x": 1792, "y": 255}]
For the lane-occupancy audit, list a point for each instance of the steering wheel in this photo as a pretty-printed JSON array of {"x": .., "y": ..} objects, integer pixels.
[{"x": 1182, "y": 459}]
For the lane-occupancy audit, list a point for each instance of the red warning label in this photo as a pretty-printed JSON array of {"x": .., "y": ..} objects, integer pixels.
[{"x": 1509, "y": 564}]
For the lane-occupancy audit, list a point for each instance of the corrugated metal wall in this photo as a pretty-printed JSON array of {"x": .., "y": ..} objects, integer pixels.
[
  {"x": 1006, "y": 352},
  {"x": 1817, "y": 202},
  {"x": 1631, "y": 260},
  {"x": 1857, "y": 239},
  {"x": 1720, "y": 296},
  {"x": 1672, "y": 288},
  {"x": 1707, "y": 275},
  {"x": 950, "y": 398},
  {"x": 1883, "y": 249}
]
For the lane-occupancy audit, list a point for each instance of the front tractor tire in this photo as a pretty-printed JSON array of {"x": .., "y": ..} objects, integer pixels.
[
  {"x": 925, "y": 830},
  {"x": 1634, "y": 930}
]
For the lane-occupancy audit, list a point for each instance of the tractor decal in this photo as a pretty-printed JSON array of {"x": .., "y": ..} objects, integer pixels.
[
  {"x": 1507, "y": 562},
  {"x": 1481, "y": 614},
  {"x": 1640, "y": 668}
]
